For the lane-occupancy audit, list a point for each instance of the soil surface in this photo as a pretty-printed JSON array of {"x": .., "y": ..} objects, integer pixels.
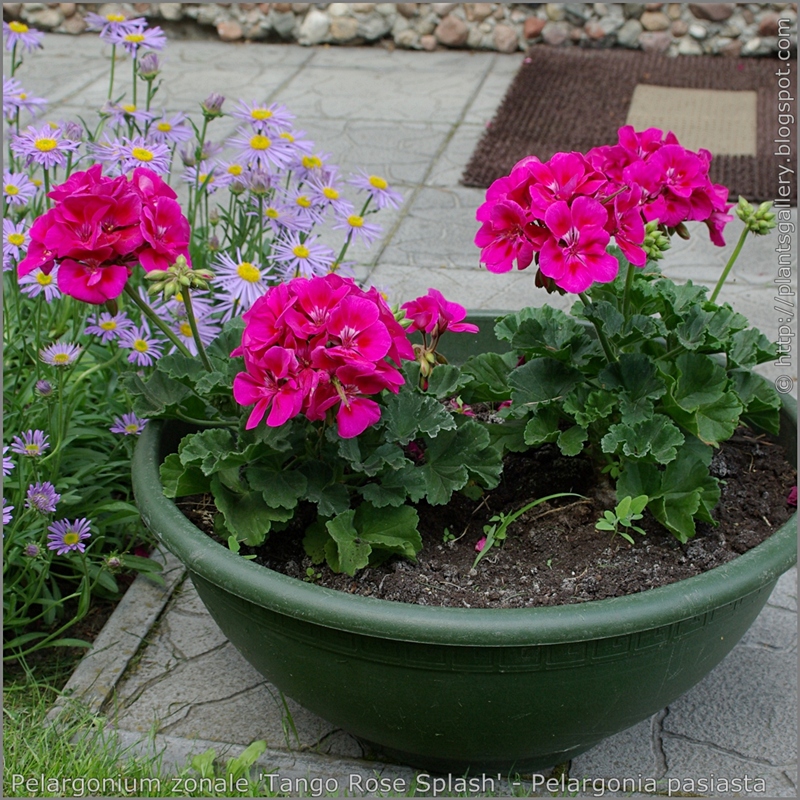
[{"x": 553, "y": 555}]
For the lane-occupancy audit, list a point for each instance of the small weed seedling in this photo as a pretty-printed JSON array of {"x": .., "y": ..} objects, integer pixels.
[
  {"x": 447, "y": 536},
  {"x": 628, "y": 510}
]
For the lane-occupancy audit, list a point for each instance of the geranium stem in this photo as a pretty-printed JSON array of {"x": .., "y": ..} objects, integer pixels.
[
  {"x": 601, "y": 337},
  {"x": 187, "y": 299},
  {"x": 729, "y": 265},
  {"x": 157, "y": 321},
  {"x": 626, "y": 298}
]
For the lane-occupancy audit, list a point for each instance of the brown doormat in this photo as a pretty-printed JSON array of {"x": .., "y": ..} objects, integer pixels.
[{"x": 576, "y": 99}]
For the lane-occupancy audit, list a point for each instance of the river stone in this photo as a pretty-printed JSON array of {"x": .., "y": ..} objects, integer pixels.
[
  {"x": 314, "y": 28},
  {"x": 533, "y": 27},
  {"x": 655, "y": 41},
  {"x": 443, "y": 9},
  {"x": 628, "y": 35},
  {"x": 505, "y": 39},
  {"x": 654, "y": 21},
  {"x": 556, "y": 33},
  {"x": 713, "y": 12},
  {"x": 477, "y": 12},
  {"x": 452, "y": 31},
  {"x": 428, "y": 42},
  {"x": 343, "y": 29},
  {"x": 408, "y": 10},
  {"x": 229, "y": 30},
  {"x": 768, "y": 26},
  {"x": 689, "y": 47},
  {"x": 679, "y": 28}
]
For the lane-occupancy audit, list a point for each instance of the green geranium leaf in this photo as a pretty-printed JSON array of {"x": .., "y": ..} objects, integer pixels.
[
  {"x": 543, "y": 426},
  {"x": 657, "y": 438},
  {"x": 635, "y": 375},
  {"x": 489, "y": 373},
  {"x": 246, "y": 516},
  {"x": 699, "y": 399},
  {"x": 208, "y": 449},
  {"x": 691, "y": 332},
  {"x": 409, "y": 414},
  {"x": 370, "y": 459},
  {"x": 606, "y": 314},
  {"x": 229, "y": 339},
  {"x": 570, "y": 441},
  {"x": 508, "y": 435},
  {"x": 393, "y": 530},
  {"x": 331, "y": 498},
  {"x": 542, "y": 381},
  {"x": 315, "y": 539},
  {"x": 750, "y": 347},
  {"x": 761, "y": 401},
  {"x": 548, "y": 331},
  {"x": 280, "y": 488},
  {"x": 155, "y": 396},
  {"x": 446, "y": 381},
  {"x": 179, "y": 480},
  {"x": 180, "y": 367},
  {"x": 640, "y": 328},
  {"x": 587, "y": 406},
  {"x": 351, "y": 552},
  {"x": 395, "y": 487}
]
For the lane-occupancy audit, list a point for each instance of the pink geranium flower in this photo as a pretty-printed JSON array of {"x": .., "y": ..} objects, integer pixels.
[
  {"x": 433, "y": 312},
  {"x": 503, "y": 237}
]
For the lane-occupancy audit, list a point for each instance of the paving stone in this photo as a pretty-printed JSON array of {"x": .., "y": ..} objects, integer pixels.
[
  {"x": 775, "y": 629},
  {"x": 784, "y": 595},
  {"x": 629, "y": 753}
]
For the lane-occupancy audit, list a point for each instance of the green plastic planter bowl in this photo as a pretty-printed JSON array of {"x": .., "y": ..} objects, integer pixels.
[{"x": 451, "y": 689}]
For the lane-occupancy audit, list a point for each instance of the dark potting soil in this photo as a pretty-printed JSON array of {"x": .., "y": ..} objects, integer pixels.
[{"x": 553, "y": 554}]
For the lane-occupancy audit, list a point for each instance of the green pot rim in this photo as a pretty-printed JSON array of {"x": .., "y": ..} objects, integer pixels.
[{"x": 617, "y": 616}]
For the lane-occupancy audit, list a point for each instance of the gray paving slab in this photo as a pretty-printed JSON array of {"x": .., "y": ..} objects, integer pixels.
[{"x": 415, "y": 118}]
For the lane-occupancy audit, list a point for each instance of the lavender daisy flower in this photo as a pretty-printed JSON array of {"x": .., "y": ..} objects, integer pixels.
[
  {"x": 66, "y": 536},
  {"x": 378, "y": 189},
  {"x": 42, "y": 497},
  {"x": 132, "y": 40},
  {"x": 14, "y": 238},
  {"x": 357, "y": 228},
  {"x": 229, "y": 171},
  {"x": 258, "y": 150},
  {"x": 128, "y": 425},
  {"x": 309, "y": 165},
  {"x": 7, "y": 512},
  {"x": 207, "y": 329},
  {"x": 137, "y": 152},
  {"x": 108, "y": 151},
  {"x": 298, "y": 258},
  {"x": 18, "y": 189},
  {"x": 296, "y": 139},
  {"x": 149, "y": 66},
  {"x": 108, "y": 326},
  {"x": 8, "y": 464},
  {"x": 15, "y": 97},
  {"x": 36, "y": 282},
  {"x": 44, "y": 388},
  {"x": 205, "y": 175},
  {"x": 46, "y": 146},
  {"x": 264, "y": 118},
  {"x": 111, "y": 25},
  {"x": 31, "y": 444},
  {"x": 18, "y": 33},
  {"x": 244, "y": 281},
  {"x": 32, "y": 550},
  {"x": 212, "y": 105},
  {"x": 281, "y": 218},
  {"x": 303, "y": 206},
  {"x": 324, "y": 192},
  {"x": 72, "y": 130},
  {"x": 145, "y": 348},
  {"x": 120, "y": 114},
  {"x": 60, "y": 354},
  {"x": 168, "y": 130}
]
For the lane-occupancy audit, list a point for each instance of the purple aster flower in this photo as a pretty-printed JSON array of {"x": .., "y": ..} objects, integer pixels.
[
  {"x": 31, "y": 444},
  {"x": 229, "y": 171},
  {"x": 205, "y": 175},
  {"x": 139, "y": 37},
  {"x": 296, "y": 139},
  {"x": 170, "y": 129},
  {"x": 60, "y": 354},
  {"x": 137, "y": 152},
  {"x": 281, "y": 218},
  {"x": 18, "y": 33},
  {"x": 8, "y": 464},
  {"x": 44, "y": 388},
  {"x": 120, "y": 114},
  {"x": 259, "y": 150},
  {"x": 207, "y": 329},
  {"x": 212, "y": 105},
  {"x": 243, "y": 280},
  {"x": 108, "y": 326},
  {"x": 46, "y": 146},
  {"x": 297, "y": 256},
  {"x": 6, "y": 512},
  {"x": 378, "y": 190},
  {"x": 18, "y": 189},
  {"x": 128, "y": 425},
  {"x": 305, "y": 208},
  {"x": 14, "y": 238},
  {"x": 149, "y": 66},
  {"x": 307, "y": 166},
  {"x": 202, "y": 304},
  {"x": 42, "y": 497},
  {"x": 264, "y": 118},
  {"x": 15, "y": 97},
  {"x": 357, "y": 228},
  {"x": 32, "y": 550},
  {"x": 108, "y": 151},
  {"x": 36, "y": 282},
  {"x": 324, "y": 192},
  {"x": 72, "y": 130},
  {"x": 66, "y": 536},
  {"x": 145, "y": 348},
  {"x": 111, "y": 25}
]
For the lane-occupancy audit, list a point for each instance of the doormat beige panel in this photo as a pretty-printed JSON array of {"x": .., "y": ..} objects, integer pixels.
[{"x": 722, "y": 122}]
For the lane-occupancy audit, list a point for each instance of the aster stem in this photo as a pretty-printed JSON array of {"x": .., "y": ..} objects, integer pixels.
[
  {"x": 113, "y": 64},
  {"x": 729, "y": 265},
  {"x": 601, "y": 337},
  {"x": 157, "y": 321},
  {"x": 626, "y": 298},
  {"x": 133, "y": 63},
  {"x": 187, "y": 299}
]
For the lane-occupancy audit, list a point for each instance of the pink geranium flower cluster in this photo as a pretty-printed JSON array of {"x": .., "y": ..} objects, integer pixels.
[
  {"x": 565, "y": 211},
  {"x": 316, "y": 344},
  {"x": 101, "y": 227}
]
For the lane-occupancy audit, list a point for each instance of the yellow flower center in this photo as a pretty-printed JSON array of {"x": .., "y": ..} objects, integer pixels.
[
  {"x": 132, "y": 428},
  {"x": 330, "y": 193},
  {"x": 259, "y": 142},
  {"x": 355, "y": 221},
  {"x": 18, "y": 27},
  {"x": 32, "y": 448},
  {"x": 45, "y": 145},
  {"x": 310, "y": 162},
  {"x": 141, "y": 154},
  {"x": 115, "y": 17},
  {"x": 136, "y": 38},
  {"x": 303, "y": 201},
  {"x": 36, "y": 181},
  {"x": 16, "y": 239},
  {"x": 44, "y": 280},
  {"x": 61, "y": 358},
  {"x": 301, "y": 251},
  {"x": 272, "y": 213},
  {"x": 71, "y": 538},
  {"x": 288, "y": 136},
  {"x": 378, "y": 183},
  {"x": 108, "y": 325},
  {"x": 235, "y": 169},
  {"x": 186, "y": 329},
  {"x": 179, "y": 297},
  {"x": 164, "y": 127},
  {"x": 247, "y": 272},
  {"x": 23, "y": 95},
  {"x": 140, "y": 345},
  {"x": 260, "y": 113},
  {"x": 11, "y": 189},
  {"x": 128, "y": 108}
]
